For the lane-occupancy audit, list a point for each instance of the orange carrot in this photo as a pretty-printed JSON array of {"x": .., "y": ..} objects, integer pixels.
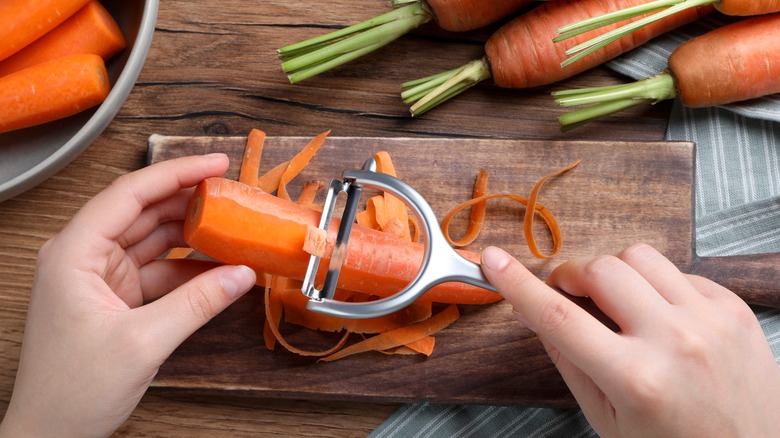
[
  {"x": 736, "y": 62},
  {"x": 52, "y": 90},
  {"x": 465, "y": 15},
  {"x": 24, "y": 21},
  {"x": 658, "y": 10},
  {"x": 235, "y": 223},
  {"x": 90, "y": 30},
  {"x": 309, "y": 58},
  {"x": 522, "y": 54}
]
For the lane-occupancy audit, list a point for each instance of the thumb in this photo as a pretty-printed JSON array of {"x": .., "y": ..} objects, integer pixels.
[{"x": 174, "y": 317}]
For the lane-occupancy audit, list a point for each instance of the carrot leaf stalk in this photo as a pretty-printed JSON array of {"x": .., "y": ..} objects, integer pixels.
[
  {"x": 309, "y": 58},
  {"x": 431, "y": 91},
  {"x": 602, "y": 101},
  {"x": 658, "y": 9}
]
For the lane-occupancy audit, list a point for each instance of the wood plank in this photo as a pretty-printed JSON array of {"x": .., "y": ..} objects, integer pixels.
[{"x": 621, "y": 193}]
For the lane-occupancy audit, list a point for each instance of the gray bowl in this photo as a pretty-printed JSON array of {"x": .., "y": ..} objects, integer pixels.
[{"x": 30, "y": 156}]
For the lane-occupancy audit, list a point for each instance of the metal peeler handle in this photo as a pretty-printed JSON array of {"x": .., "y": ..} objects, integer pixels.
[{"x": 441, "y": 263}]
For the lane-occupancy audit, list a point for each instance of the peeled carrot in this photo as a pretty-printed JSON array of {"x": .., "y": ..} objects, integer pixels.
[
  {"x": 741, "y": 8},
  {"x": 90, "y": 30},
  {"x": 522, "y": 54},
  {"x": 309, "y": 58},
  {"x": 24, "y": 21},
  {"x": 736, "y": 62},
  {"x": 235, "y": 223},
  {"x": 52, "y": 90}
]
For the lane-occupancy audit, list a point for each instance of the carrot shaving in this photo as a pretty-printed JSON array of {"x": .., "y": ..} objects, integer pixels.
[
  {"x": 400, "y": 336},
  {"x": 179, "y": 253},
  {"x": 532, "y": 207},
  {"x": 529, "y": 215},
  {"x": 476, "y": 217},
  {"x": 250, "y": 164},
  {"x": 273, "y": 315},
  {"x": 269, "y": 182},
  {"x": 308, "y": 193},
  {"x": 299, "y": 162}
]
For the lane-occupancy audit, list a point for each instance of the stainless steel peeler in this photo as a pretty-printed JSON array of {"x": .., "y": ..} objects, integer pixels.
[{"x": 441, "y": 263}]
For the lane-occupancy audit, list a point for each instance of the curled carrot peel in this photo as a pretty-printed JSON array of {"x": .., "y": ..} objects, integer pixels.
[
  {"x": 401, "y": 336},
  {"x": 532, "y": 208},
  {"x": 477, "y": 216},
  {"x": 478, "y": 205}
]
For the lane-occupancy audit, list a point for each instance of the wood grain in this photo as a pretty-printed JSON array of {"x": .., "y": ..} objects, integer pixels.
[
  {"x": 212, "y": 70},
  {"x": 621, "y": 193}
]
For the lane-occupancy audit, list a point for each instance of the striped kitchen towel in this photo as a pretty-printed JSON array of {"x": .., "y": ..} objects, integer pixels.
[{"x": 737, "y": 212}]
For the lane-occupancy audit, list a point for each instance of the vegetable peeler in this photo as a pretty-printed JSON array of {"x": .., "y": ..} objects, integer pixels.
[{"x": 441, "y": 263}]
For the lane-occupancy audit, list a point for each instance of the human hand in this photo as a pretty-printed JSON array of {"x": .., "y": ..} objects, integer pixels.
[
  {"x": 689, "y": 358},
  {"x": 91, "y": 346}
]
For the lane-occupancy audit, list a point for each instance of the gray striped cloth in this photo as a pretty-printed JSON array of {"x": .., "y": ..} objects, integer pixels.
[{"x": 737, "y": 212}]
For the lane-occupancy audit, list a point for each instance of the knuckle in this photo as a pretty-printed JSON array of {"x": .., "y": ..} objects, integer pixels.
[
  {"x": 203, "y": 305},
  {"x": 638, "y": 252},
  {"x": 693, "y": 347},
  {"x": 648, "y": 391},
  {"x": 554, "y": 315},
  {"x": 601, "y": 266}
]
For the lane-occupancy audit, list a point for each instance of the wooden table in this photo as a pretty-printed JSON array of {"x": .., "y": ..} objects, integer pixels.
[{"x": 212, "y": 70}]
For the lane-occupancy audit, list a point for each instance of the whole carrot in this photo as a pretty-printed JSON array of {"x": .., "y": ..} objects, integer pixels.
[
  {"x": 90, "y": 30},
  {"x": 236, "y": 223},
  {"x": 309, "y": 58},
  {"x": 24, "y": 21},
  {"x": 522, "y": 54},
  {"x": 739, "y": 8},
  {"x": 52, "y": 90},
  {"x": 736, "y": 62}
]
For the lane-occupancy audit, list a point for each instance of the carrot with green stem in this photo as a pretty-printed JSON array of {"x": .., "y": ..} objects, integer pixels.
[
  {"x": 521, "y": 54},
  {"x": 52, "y": 90},
  {"x": 309, "y": 58},
  {"x": 90, "y": 30},
  {"x": 733, "y": 63},
  {"x": 658, "y": 10},
  {"x": 24, "y": 21}
]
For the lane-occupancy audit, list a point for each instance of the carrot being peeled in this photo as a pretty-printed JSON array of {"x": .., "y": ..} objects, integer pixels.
[
  {"x": 24, "y": 21},
  {"x": 309, "y": 58},
  {"x": 52, "y": 90},
  {"x": 732, "y": 63},
  {"x": 657, "y": 10},
  {"x": 522, "y": 54},
  {"x": 90, "y": 30},
  {"x": 235, "y": 223}
]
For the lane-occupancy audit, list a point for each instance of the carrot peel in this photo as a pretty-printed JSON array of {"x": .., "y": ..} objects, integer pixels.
[{"x": 400, "y": 336}]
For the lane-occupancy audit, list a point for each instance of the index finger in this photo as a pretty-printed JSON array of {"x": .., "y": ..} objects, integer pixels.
[
  {"x": 129, "y": 194},
  {"x": 580, "y": 337}
]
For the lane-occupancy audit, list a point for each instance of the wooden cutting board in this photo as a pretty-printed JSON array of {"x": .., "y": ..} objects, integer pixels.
[{"x": 621, "y": 193}]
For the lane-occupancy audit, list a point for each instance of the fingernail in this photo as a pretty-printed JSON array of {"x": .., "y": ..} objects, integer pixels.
[
  {"x": 237, "y": 280},
  {"x": 495, "y": 259}
]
